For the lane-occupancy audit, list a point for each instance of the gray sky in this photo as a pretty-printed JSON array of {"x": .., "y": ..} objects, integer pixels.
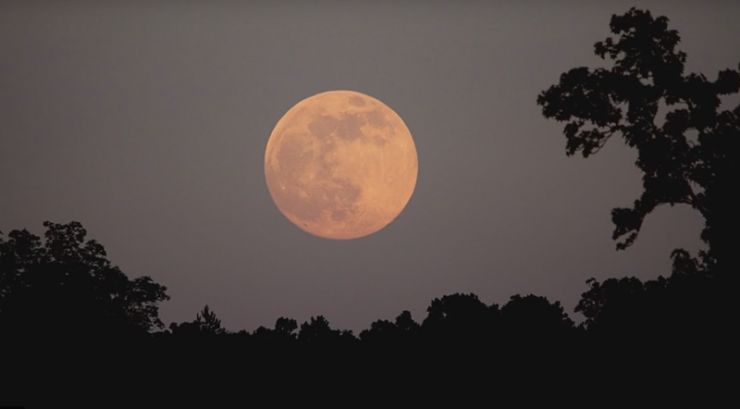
[{"x": 148, "y": 124}]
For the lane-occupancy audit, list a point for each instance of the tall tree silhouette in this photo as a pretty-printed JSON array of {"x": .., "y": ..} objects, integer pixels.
[
  {"x": 688, "y": 156},
  {"x": 65, "y": 285},
  {"x": 206, "y": 323}
]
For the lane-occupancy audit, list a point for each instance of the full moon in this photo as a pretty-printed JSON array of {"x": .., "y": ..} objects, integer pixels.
[{"x": 341, "y": 165}]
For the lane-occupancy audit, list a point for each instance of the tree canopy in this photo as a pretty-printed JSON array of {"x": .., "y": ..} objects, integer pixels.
[
  {"x": 686, "y": 138},
  {"x": 65, "y": 284}
]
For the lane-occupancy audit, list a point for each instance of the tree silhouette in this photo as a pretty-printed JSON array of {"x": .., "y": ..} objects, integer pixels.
[
  {"x": 205, "y": 323},
  {"x": 64, "y": 286},
  {"x": 403, "y": 331},
  {"x": 405, "y": 322},
  {"x": 535, "y": 318},
  {"x": 317, "y": 332},
  {"x": 209, "y": 322},
  {"x": 67, "y": 286},
  {"x": 689, "y": 155},
  {"x": 615, "y": 305},
  {"x": 284, "y": 333},
  {"x": 286, "y": 327},
  {"x": 692, "y": 303},
  {"x": 459, "y": 318}
]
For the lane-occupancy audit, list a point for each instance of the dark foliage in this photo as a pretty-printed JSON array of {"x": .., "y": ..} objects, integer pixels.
[
  {"x": 206, "y": 324},
  {"x": 65, "y": 287},
  {"x": 689, "y": 155},
  {"x": 693, "y": 303}
]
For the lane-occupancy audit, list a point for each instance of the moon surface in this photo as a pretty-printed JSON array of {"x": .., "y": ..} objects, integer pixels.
[{"x": 341, "y": 165}]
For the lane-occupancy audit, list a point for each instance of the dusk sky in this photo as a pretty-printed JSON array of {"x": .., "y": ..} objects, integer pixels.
[{"x": 148, "y": 124}]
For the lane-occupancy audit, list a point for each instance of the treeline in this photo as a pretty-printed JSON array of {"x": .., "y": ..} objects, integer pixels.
[
  {"x": 65, "y": 309},
  {"x": 64, "y": 287}
]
